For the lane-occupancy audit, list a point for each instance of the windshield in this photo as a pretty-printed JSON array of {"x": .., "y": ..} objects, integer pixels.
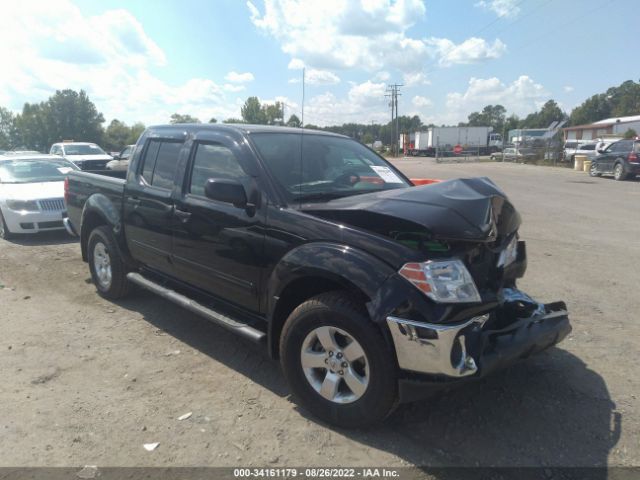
[
  {"x": 83, "y": 150},
  {"x": 33, "y": 171},
  {"x": 311, "y": 167}
]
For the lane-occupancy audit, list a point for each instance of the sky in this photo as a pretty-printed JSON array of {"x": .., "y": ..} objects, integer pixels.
[{"x": 143, "y": 60}]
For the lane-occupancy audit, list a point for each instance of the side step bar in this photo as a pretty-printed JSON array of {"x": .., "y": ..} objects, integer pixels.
[{"x": 185, "y": 302}]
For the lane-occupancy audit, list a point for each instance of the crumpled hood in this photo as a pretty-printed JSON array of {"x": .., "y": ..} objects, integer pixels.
[{"x": 465, "y": 209}]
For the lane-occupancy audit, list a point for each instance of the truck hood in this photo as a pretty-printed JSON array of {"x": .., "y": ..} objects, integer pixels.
[
  {"x": 466, "y": 209},
  {"x": 31, "y": 191},
  {"x": 81, "y": 158}
]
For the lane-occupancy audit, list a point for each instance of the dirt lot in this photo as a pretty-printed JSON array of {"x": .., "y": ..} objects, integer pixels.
[{"x": 85, "y": 381}]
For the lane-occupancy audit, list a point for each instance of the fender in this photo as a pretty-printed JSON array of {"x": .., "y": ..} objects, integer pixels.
[
  {"x": 338, "y": 263},
  {"x": 102, "y": 206}
]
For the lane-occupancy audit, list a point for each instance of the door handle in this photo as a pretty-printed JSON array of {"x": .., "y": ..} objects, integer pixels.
[{"x": 181, "y": 215}]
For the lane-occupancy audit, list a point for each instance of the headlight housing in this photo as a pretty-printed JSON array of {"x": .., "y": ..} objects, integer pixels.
[
  {"x": 443, "y": 281},
  {"x": 23, "y": 205}
]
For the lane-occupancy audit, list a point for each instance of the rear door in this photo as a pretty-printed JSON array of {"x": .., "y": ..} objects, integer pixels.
[
  {"x": 148, "y": 206},
  {"x": 219, "y": 247}
]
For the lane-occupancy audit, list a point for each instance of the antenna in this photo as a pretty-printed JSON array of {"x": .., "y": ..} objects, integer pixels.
[{"x": 302, "y": 120}]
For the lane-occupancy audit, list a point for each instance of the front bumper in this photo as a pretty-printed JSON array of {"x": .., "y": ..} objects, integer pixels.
[
  {"x": 437, "y": 354},
  {"x": 33, "y": 222}
]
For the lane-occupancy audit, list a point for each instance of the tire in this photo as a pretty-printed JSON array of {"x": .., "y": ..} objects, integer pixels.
[
  {"x": 618, "y": 172},
  {"x": 5, "y": 233},
  {"x": 108, "y": 270},
  {"x": 339, "y": 321},
  {"x": 593, "y": 171}
]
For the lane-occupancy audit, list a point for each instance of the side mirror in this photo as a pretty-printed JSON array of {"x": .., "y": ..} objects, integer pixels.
[
  {"x": 228, "y": 191},
  {"x": 116, "y": 156},
  {"x": 601, "y": 150}
]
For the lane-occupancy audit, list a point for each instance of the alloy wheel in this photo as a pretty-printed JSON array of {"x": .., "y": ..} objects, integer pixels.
[
  {"x": 102, "y": 264},
  {"x": 335, "y": 364}
]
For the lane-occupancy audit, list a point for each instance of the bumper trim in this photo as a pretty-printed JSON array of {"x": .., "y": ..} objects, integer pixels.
[
  {"x": 69, "y": 227},
  {"x": 428, "y": 348}
]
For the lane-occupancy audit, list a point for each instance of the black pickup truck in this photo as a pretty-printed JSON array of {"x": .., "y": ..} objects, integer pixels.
[{"x": 368, "y": 289}]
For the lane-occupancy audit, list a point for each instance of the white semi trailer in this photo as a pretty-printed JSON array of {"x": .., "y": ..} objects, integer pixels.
[{"x": 477, "y": 140}]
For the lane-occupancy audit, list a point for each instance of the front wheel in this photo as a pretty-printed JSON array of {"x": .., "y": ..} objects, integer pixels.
[
  {"x": 108, "y": 269},
  {"x": 337, "y": 363},
  {"x": 618, "y": 172},
  {"x": 593, "y": 170}
]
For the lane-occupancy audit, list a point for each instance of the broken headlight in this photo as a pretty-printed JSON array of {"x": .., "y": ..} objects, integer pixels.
[
  {"x": 509, "y": 254},
  {"x": 443, "y": 281}
]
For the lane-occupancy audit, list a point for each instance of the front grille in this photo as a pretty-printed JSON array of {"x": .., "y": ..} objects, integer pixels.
[
  {"x": 55, "y": 224},
  {"x": 52, "y": 205},
  {"x": 93, "y": 164}
]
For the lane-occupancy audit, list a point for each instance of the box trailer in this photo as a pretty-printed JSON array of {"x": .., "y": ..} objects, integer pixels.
[{"x": 462, "y": 140}]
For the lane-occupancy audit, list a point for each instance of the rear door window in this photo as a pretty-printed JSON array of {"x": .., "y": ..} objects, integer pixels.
[{"x": 160, "y": 163}]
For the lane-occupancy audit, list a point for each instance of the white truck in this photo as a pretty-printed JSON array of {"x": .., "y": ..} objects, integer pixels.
[{"x": 459, "y": 140}]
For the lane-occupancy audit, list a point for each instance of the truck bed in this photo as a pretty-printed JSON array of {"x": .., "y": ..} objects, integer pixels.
[{"x": 82, "y": 185}]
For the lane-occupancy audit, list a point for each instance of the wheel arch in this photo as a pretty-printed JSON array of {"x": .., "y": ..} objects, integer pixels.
[
  {"x": 98, "y": 211},
  {"x": 317, "y": 268}
]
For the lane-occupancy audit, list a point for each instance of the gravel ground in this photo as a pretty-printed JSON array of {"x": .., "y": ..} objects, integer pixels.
[{"x": 86, "y": 381}]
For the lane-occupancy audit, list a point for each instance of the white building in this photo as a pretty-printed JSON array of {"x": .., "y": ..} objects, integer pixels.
[{"x": 609, "y": 126}]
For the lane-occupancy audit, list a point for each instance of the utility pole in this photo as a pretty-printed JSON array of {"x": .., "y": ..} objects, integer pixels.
[
  {"x": 393, "y": 91},
  {"x": 302, "y": 120}
]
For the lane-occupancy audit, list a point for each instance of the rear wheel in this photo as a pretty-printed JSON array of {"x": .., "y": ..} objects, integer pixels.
[
  {"x": 337, "y": 363},
  {"x": 618, "y": 172},
  {"x": 108, "y": 269},
  {"x": 4, "y": 230}
]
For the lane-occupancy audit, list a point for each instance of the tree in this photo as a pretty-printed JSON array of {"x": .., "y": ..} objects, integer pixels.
[
  {"x": 66, "y": 115},
  {"x": 549, "y": 113},
  {"x": 7, "y": 129},
  {"x": 273, "y": 113},
  {"x": 233, "y": 120},
  {"x": 293, "y": 121},
  {"x": 615, "y": 102},
  {"x": 116, "y": 135},
  {"x": 213, "y": 120},
  {"x": 179, "y": 118},
  {"x": 630, "y": 133},
  {"x": 252, "y": 111},
  {"x": 491, "y": 116},
  {"x": 134, "y": 132}
]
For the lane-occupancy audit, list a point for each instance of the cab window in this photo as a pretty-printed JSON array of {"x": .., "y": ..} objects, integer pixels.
[{"x": 212, "y": 160}]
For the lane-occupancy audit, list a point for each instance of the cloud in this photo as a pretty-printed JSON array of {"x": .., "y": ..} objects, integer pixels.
[
  {"x": 382, "y": 76},
  {"x": 521, "y": 97},
  {"x": 295, "y": 64},
  {"x": 235, "y": 77},
  {"x": 502, "y": 8},
  {"x": 472, "y": 50},
  {"x": 229, "y": 87},
  {"x": 568, "y": 88},
  {"x": 414, "y": 79},
  {"x": 420, "y": 101},
  {"x": 369, "y": 34},
  {"x": 48, "y": 46}
]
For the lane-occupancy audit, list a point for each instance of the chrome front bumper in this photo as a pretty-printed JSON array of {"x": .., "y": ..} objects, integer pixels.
[
  {"x": 428, "y": 348},
  {"x": 444, "y": 350}
]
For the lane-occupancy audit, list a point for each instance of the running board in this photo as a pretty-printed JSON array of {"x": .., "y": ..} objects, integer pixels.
[{"x": 185, "y": 302}]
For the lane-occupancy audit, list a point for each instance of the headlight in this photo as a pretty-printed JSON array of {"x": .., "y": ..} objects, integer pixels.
[
  {"x": 23, "y": 206},
  {"x": 444, "y": 281},
  {"x": 509, "y": 254}
]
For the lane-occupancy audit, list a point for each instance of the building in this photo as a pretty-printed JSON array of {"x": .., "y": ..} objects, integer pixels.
[{"x": 607, "y": 127}]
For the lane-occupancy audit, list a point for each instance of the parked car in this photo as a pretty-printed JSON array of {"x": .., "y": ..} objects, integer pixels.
[
  {"x": 512, "y": 154},
  {"x": 121, "y": 160},
  {"x": 87, "y": 156},
  {"x": 31, "y": 193},
  {"x": 367, "y": 290},
  {"x": 620, "y": 159}
]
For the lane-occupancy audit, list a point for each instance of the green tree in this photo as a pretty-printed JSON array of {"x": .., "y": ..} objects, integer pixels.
[
  {"x": 179, "y": 118},
  {"x": 491, "y": 116},
  {"x": 233, "y": 120},
  {"x": 7, "y": 129},
  {"x": 213, "y": 120},
  {"x": 134, "y": 132},
  {"x": 630, "y": 133},
  {"x": 66, "y": 115},
  {"x": 252, "y": 111},
  {"x": 116, "y": 135},
  {"x": 293, "y": 121},
  {"x": 273, "y": 114}
]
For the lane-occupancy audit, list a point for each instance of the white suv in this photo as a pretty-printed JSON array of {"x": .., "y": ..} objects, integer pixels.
[{"x": 87, "y": 156}]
